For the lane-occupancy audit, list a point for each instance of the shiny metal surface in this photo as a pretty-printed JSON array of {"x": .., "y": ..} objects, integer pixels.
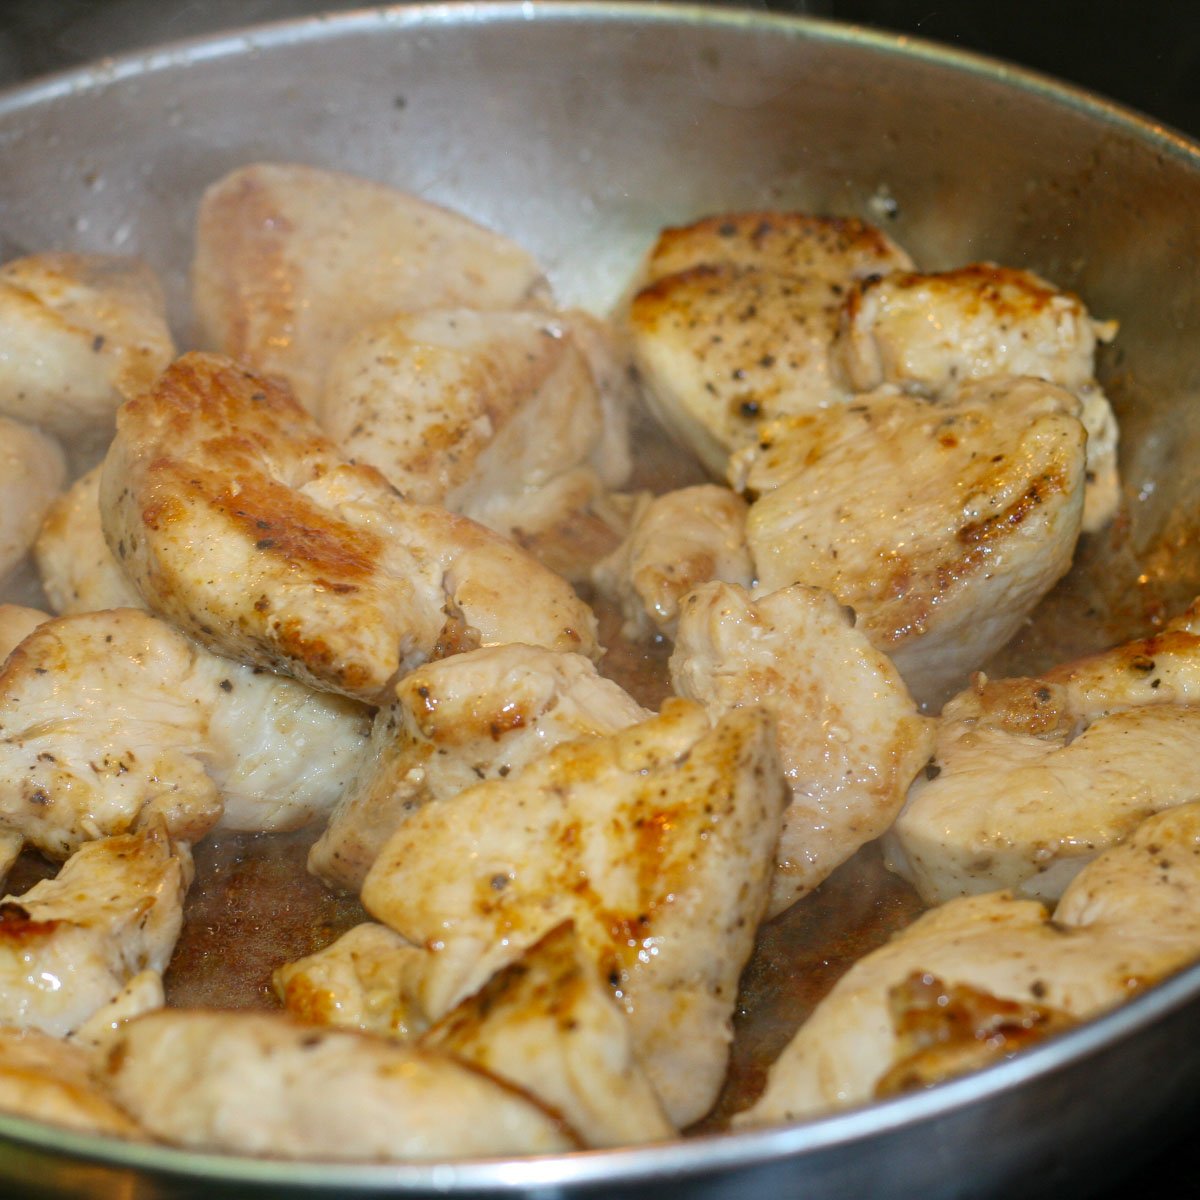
[{"x": 580, "y": 130}]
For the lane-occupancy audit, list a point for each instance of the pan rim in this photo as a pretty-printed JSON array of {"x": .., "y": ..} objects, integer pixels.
[{"x": 706, "y": 1153}]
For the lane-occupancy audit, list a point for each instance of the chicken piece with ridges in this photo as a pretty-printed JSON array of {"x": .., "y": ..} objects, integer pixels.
[
  {"x": 657, "y": 841},
  {"x": 478, "y": 715},
  {"x": 78, "y": 572},
  {"x": 1126, "y": 921},
  {"x": 238, "y": 520},
  {"x": 106, "y": 715},
  {"x": 850, "y": 737},
  {"x": 1032, "y": 777},
  {"x": 676, "y": 542},
  {"x": 32, "y": 474},
  {"x": 929, "y": 333},
  {"x": 942, "y": 525}
]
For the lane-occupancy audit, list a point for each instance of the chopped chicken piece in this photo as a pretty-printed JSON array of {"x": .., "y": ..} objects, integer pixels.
[
  {"x": 736, "y": 317},
  {"x": 236, "y": 519},
  {"x": 850, "y": 737},
  {"x": 1032, "y": 777},
  {"x": 678, "y": 541},
  {"x": 456, "y": 407},
  {"x": 262, "y": 1084},
  {"x": 547, "y": 1023},
  {"x": 657, "y": 841},
  {"x": 942, "y": 525},
  {"x": 550, "y": 1024},
  {"x": 16, "y": 623},
  {"x": 1128, "y": 920},
  {"x": 485, "y": 413},
  {"x": 104, "y": 715},
  {"x": 142, "y": 994},
  {"x": 478, "y": 715},
  {"x": 79, "y": 333},
  {"x": 292, "y": 261},
  {"x": 79, "y": 573},
  {"x": 368, "y": 979},
  {"x": 929, "y": 333},
  {"x": 45, "y": 1079},
  {"x": 69, "y": 945},
  {"x": 32, "y": 473},
  {"x": 793, "y": 243}
]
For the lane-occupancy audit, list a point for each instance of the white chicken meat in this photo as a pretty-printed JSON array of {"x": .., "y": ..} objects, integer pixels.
[
  {"x": 78, "y": 572},
  {"x": 1127, "y": 920},
  {"x": 478, "y": 715},
  {"x": 658, "y": 841},
  {"x": 736, "y": 316},
  {"x": 676, "y": 542},
  {"x": 292, "y": 261},
  {"x": 43, "y": 1078},
  {"x": 549, "y": 1024},
  {"x": 239, "y": 521},
  {"x": 929, "y": 333},
  {"x": 79, "y": 333},
  {"x": 105, "y": 715},
  {"x": 940, "y": 524},
  {"x": 262, "y": 1084},
  {"x": 69, "y": 945},
  {"x": 850, "y": 737},
  {"x": 32, "y": 474},
  {"x": 1031, "y": 778}
]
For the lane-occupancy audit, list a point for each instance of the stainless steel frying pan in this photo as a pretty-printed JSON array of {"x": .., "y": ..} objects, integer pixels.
[{"x": 580, "y": 130}]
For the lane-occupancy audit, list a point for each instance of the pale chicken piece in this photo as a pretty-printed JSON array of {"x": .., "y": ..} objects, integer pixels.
[
  {"x": 1032, "y": 777},
  {"x": 484, "y": 413},
  {"x": 550, "y": 1024},
  {"x": 79, "y": 333},
  {"x": 32, "y": 474},
  {"x": 677, "y": 541},
  {"x": 941, "y": 525},
  {"x": 1128, "y": 920},
  {"x": 657, "y": 841},
  {"x": 106, "y": 715},
  {"x": 17, "y": 622},
  {"x": 850, "y": 737},
  {"x": 547, "y": 1023},
  {"x": 478, "y": 715},
  {"x": 735, "y": 318},
  {"x": 239, "y": 521},
  {"x": 142, "y": 994},
  {"x": 368, "y": 979},
  {"x": 69, "y": 945},
  {"x": 262, "y": 1084},
  {"x": 44, "y": 1078},
  {"x": 291, "y": 261},
  {"x": 78, "y": 571},
  {"x": 456, "y": 407},
  {"x": 929, "y": 333}
]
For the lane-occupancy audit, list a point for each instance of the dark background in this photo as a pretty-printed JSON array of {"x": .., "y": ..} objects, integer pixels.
[{"x": 1144, "y": 55}]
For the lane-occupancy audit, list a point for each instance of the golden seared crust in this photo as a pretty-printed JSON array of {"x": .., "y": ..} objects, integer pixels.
[
  {"x": 657, "y": 841},
  {"x": 802, "y": 243},
  {"x": 961, "y": 516},
  {"x": 1128, "y": 920},
  {"x": 237, "y": 519}
]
